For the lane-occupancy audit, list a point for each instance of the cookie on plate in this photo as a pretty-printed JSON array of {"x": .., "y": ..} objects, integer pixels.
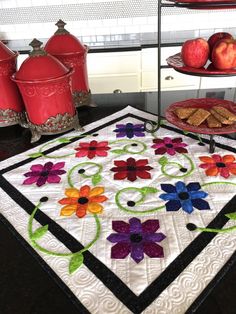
[
  {"x": 212, "y": 122},
  {"x": 184, "y": 113},
  {"x": 225, "y": 113},
  {"x": 220, "y": 118},
  {"x": 198, "y": 117}
]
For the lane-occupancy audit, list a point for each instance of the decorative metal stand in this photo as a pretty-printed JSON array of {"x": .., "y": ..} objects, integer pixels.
[{"x": 151, "y": 126}]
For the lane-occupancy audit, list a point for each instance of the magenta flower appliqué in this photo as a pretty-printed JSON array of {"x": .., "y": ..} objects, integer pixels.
[
  {"x": 40, "y": 174},
  {"x": 136, "y": 238},
  {"x": 169, "y": 146}
]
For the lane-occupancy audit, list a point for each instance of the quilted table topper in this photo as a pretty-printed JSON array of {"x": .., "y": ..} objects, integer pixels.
[{"x": 124, "y": 220}]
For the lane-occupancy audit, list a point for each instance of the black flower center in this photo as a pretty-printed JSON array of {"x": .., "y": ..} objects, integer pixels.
[
  {"x": 131, "y": 168},
  {"x": 83, "y": 200},
  {"x": 136, "y": 237},
  {"x": 44, "y": 173},
  {"x": 169, "y": 145},
  {"x": 43, "y": 199},
  {"x": 92, "y": 148},
  {"x": 183, "y": 195},
  {"x": 183, "y": 169},
  {"x": 131, "y": 203},
  {"x": 191, "y": 227},
  {"x": 220, "y": 165},
  {"x": 81, "y": 171},
  {"x": 134, "y": 144}
]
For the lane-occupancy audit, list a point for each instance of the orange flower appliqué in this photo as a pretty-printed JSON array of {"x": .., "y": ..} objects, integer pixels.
[
  {"x": 216, "y": 164},
  {"x": 82, "y": 200}
]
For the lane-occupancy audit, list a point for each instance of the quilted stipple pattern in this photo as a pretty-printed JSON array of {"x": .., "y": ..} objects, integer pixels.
[{"x": 130, "y": 224}]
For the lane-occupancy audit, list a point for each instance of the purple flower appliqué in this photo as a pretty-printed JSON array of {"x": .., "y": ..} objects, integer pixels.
[
  {"x": 136, "y": 238},
  {"x": 130, "y": 130},
  {"x": 169, "y": 146},
  {"x": 45, "y": 173}
]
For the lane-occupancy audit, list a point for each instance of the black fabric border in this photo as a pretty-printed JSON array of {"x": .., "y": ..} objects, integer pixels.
[{"x": 135, "y": 303}]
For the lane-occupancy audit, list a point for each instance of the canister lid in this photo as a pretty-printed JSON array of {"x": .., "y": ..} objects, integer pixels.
[
  {"x": 40, "y": 65},
  {"x": 5, "y": 52},
  {"x": 62, "y": 42}
]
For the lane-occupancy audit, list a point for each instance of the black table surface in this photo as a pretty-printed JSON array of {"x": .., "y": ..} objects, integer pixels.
[{"x": 26, "y": 288}]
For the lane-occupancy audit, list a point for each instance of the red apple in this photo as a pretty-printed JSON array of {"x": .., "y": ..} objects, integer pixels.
[
  {"x": 215, "y": 38},
  {"x": 195, "y": 52},
  {"x": 224, "y": 54}
]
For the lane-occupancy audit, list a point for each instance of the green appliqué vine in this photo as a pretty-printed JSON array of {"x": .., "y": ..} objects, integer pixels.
[
  {"x": 163, "y": 161},
  {"x": 231, "y": 216},
  {"x": 63, "y": 140},
  {"x": 144, "y": 191},
  {"x": 126, "y": 149},
  {"x": 77, "y": 258},
  {"x": 95, "y": 178}
]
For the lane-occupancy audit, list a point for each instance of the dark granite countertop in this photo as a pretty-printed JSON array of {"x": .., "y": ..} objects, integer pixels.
[{"x": 25, "y": 287}]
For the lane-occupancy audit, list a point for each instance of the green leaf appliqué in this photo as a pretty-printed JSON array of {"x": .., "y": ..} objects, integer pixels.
[
  {"x": 38, "y": 233},
  {"x": 163, "y": 160},
  {"x": 148, "y": 189},
  {"x": 75, "y": 262},
  {"x": 35, "y": 155},
  {"x": 231, "y": 216},
  {"x": 96, "y": 179},
  {"x": 64, "y": 140}
]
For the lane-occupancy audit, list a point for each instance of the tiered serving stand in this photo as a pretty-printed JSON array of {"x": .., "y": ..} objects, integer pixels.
[{"x": 208, "y": 70}]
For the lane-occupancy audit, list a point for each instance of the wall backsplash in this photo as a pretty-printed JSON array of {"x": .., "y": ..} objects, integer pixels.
[{"x": 105, "y": 23}]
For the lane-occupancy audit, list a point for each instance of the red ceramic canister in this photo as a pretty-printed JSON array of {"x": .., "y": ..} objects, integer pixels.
[
  {"x": 11, "y": 104},
  {"x": 72, "y": 53},
  {"x": 44, "y": 83}
]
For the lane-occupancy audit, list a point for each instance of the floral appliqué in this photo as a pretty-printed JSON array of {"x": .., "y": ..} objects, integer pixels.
[
  {"x": 92, "y": 149},
  {"x": 218, "y": 165},
  {"x": 169, "y": 146},
  {"x": 130, "y": 130},
  {"x": 40, "y": 174},
  {"x": 185, "y": 196},
  {"x": 136, "y": 238},
  {"x": 82, "y": 200},
  {"x": 131, "y": 169}
]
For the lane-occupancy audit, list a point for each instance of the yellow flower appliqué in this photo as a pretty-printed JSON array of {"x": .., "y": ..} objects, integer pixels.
[{"x": 82, "y": 200}]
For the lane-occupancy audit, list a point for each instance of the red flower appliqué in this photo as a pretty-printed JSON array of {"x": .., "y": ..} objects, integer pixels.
[
  {"x": 92, "y": 149},
  {"x": 131, "y": 169}
]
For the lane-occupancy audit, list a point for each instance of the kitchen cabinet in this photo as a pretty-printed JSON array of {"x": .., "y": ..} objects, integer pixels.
[
  {"x": 134, "y": 71},
  {"x": 110, "y": 72},
  {"x": 170, "y": 79}
]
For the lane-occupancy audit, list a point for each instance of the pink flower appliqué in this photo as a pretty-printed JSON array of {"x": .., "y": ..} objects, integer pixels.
[
  {"x": 40, "y": 174},
  {"x": 169, "y": 146}
]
